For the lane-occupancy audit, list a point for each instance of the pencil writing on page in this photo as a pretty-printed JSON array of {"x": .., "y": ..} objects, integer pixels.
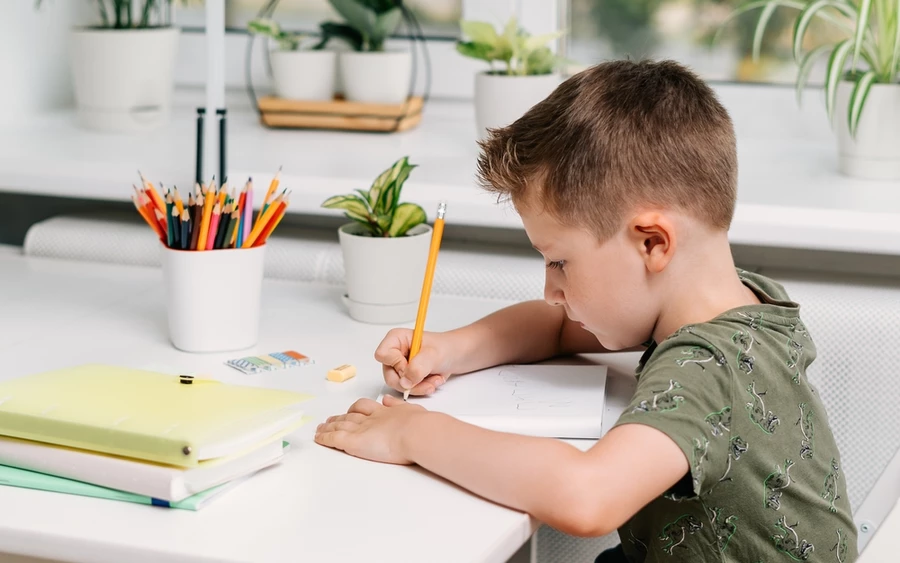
[{"x": 436, "y": 234}]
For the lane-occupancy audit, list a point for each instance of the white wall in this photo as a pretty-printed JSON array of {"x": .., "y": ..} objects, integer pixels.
[{"x": 34, "y": 62}]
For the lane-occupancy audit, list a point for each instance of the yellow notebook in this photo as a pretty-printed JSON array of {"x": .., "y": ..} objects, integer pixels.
[{"x": 144, "y": 415}]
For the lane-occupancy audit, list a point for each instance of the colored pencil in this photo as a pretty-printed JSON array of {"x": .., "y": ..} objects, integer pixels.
[
  {"x": 170, "y": 229},
  {"x": 153, "y": 194},
  {"x": 176, "y": 228},
  {"x": 273, "y": 185},
  {"x": 204, "y": 222},
  {"x": 231, "y": 230},
  {"x": 261, "y": 223},
  {"x": 279, "y": 214},
  {"x": 246, "y": 222},
  {"x": 185, "y": 229},
  {"x": 224, "y": 217},
  {"x": 436, "y": 234},
  {"x": 178, "y": 203},
  {"x": 195, "y": 222},
  {"x": 213, "y": 225}
]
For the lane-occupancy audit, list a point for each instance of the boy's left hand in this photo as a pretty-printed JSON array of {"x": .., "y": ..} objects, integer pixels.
[{"x": 371, "y": 430}]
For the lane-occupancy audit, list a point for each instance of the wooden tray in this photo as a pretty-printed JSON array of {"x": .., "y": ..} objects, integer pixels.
[{"x": 340, "y": 114}]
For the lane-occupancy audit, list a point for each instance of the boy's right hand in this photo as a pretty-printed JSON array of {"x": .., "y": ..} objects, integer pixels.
[{"x": 427, "y": 371}]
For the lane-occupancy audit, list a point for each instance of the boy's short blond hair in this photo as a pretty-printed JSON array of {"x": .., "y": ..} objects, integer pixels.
[{"x": 616, "y": 136}]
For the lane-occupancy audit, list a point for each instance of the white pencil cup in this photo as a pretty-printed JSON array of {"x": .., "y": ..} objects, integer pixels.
[{"x": 213, "y": 297}]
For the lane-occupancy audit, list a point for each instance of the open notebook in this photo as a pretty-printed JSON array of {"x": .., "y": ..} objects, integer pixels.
[{"x": 537, "y": 400}]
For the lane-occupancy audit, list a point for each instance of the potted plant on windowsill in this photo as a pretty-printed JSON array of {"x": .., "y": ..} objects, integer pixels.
[
  {"x": 123, "y": 68},
  {"x": 299, "y": 72},
  {"x": 385, "y": 248},
  {"x": 527, "y": 75},
  {"x": 370, "y": 72},
  {"x": 862, "y": 78}
]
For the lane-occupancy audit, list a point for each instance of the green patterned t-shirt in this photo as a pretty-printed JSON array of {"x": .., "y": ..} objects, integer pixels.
[{"x": 765, "y": 482}]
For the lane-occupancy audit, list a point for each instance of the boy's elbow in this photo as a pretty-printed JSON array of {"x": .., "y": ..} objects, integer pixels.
[{"x": 585, "y": 516}]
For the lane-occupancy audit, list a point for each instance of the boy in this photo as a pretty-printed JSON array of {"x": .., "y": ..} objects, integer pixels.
[{"x": 625, "y": 179}]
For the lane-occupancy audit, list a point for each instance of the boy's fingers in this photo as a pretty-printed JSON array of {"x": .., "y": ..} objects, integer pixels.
[
  {"x": 391, "y": 378},
  {"x": 337, "y": 439},
  {"x": 364, "y": 406},
  {"x": 419, "y": 368},
  {"x": 428, "y": 385},
  {"x": 390, "y": 401}
]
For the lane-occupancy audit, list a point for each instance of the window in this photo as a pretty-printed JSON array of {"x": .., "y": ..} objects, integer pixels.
[
  {"x": 684, "y": 30},
  {"x": 439, "y": 18}
]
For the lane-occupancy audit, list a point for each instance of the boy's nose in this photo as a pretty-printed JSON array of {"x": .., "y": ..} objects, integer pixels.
[{"x": 553, "y": 295}]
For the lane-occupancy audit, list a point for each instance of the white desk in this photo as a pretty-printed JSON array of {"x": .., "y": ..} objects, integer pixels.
[{"x": 318, "y": 505}]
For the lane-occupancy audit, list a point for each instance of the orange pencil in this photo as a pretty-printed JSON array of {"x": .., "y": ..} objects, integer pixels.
[
  {"x": 261, "y": 223},
  {"x": 154, "y": 195},
  {"x": 270, "y": 226},
  {"x": 272, "y": 187},
  {"x": 213, "y": 228},
  {"x": 436, "y": 235},
  {"x": 150, "y": 221}
]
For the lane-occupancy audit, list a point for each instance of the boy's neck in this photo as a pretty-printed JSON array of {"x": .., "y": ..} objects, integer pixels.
[{"x": 702, "y": 285}]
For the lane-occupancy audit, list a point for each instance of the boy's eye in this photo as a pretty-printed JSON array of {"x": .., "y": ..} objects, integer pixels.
[{"x": 556, "y": 265}]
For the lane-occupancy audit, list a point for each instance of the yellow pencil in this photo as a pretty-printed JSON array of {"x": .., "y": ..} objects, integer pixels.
[
  {"x": 436, "y": 235},
  {"x": 205, "y": 218}
]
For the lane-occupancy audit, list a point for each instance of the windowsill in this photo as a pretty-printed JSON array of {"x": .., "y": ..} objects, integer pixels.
[{"x": 790, "y": 192}]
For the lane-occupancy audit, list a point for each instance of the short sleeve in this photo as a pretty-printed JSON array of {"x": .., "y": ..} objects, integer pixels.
[{"x": 685, "y": 391}]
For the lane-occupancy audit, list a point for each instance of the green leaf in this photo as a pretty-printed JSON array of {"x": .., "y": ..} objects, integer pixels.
[
  {"x": 479, "y": 51},
  {"x": 801, "y": 25},
  {"x": 357, "y": 16},
  {"x": 479, "y": 32},
  {"x": 365, "y": 198},
  {"x": 542, "y": 61},
  {"x": 384, "y": 222},
  {"x": 862, "y": 24},
  {"x": 760, "y": 30},
  {"x": 858, "y": 100},
  {"x": 350, "y": 203},
  {"x": 537, "y": 41},
  {"x": 895, "y": 58},
  {"x": 834, "y": 73},
  {"x": 371, "y": 229},
  {"x": 749, "y": 7},
  {"x": 331, "y": 30},
  {"x": 264, "y": 27},
  {"x": 407, "y": 216},
  {"x": 806, "y": 66},
  {"x": 398, "y": 167},
  {"x": 378, "y": 186},
  {"x": 385, "y": 25}
]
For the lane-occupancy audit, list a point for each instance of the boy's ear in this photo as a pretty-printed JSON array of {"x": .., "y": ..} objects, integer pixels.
[{"x": 653, "y": 235}]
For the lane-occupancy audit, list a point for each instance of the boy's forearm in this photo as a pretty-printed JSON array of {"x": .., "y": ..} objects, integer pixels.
[
  {"x": 540, "y": 476},
  {"x": 521, "y": 333}
]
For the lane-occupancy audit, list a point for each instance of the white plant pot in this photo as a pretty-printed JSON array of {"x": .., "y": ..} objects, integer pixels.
[
  {"x": 124, "y": 78},
  {"x": 502, "y": 99},
  {"x": 376, "y": 77},
  {"x": 875, "y": 152},
  {"x": 384, "y": 275},
  {"x": 304, "y": 75}
]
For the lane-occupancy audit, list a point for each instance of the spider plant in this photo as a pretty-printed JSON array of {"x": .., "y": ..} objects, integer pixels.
[{"x": 870, "y": 53}]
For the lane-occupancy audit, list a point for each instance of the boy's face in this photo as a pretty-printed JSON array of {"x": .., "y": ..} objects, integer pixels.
[{"x": 604, "y": 286}]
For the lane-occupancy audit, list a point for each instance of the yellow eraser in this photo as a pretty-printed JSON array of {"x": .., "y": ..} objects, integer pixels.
[{"x": 342, "y": 373}]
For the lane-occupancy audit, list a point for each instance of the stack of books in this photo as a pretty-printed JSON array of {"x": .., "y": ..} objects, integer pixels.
[{"x": 138, "y": 436}]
